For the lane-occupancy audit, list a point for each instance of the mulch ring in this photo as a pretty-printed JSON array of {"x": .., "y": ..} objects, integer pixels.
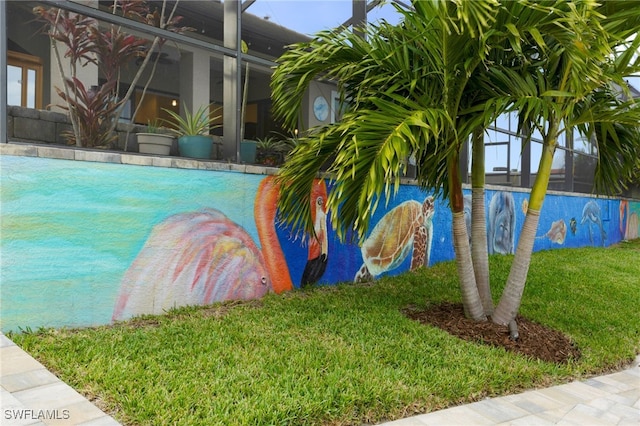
[{"x": 535, "y": 340}]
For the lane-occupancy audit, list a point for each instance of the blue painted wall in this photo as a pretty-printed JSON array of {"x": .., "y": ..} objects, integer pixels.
[{"x": 71, "y": 232}]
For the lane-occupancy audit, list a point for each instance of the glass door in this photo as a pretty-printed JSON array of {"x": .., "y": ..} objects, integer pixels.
[{"x": 24, "y": 80}]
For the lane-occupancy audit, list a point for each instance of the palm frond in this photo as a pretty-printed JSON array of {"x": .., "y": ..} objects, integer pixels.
[
  {"x": 422, "y": 87},
  {"x": 328, "y": 54},
  {"x": 367, "y": 154}
]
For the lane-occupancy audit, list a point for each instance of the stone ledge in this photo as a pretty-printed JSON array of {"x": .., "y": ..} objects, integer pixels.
[
  {"x": 161, "y": 161},
  {"x": 25, "y": 149},
  {"x": 136, "y": 160},
  {"x": 16, "y": 111},
  {"x": 98, "y": 156},
  {"x": 59, "y": 153},
  {"x": 18, "y": 150},
  {"x": 57, "y": 117}
]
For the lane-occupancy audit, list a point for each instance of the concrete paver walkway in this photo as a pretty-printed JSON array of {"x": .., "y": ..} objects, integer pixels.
[
  {"x": 612, "y": 399},
  {"x": 31, "y": 395}
]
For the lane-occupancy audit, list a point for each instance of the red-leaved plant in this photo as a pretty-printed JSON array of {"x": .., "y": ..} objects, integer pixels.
[{"x": 94, "y": 111}]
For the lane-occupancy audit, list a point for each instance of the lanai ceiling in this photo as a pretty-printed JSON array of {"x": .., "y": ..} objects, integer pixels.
[{"x": 264, "y": 38}]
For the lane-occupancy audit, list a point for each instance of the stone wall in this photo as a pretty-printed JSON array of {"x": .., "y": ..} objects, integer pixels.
[
  {"x": 46, "y": 127},
  {"x": 93, "y": 236},
  {"x": 41, "y": 126}
]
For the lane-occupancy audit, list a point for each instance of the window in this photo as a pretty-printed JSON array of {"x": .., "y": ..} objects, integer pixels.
[
  {"x": 337, "y": 108},
  {"x": 24, "y": 80}
]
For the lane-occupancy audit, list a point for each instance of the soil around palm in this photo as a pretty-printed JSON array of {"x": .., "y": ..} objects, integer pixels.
[{"x": 535, "y": 340}]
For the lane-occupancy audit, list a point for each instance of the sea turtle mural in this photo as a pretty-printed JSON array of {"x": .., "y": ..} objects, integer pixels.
[
  {"x": 573, "y": 225},
  {"x": 406, "y": 228}
]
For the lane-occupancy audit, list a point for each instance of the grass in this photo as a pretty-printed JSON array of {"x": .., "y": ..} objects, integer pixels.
[{"x": 345, "y": 354}]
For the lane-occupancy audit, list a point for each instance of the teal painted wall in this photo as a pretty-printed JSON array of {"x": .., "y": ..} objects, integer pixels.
[{"x": 79, "y": 238}]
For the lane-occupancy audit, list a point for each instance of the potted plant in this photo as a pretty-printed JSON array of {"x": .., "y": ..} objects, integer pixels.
[
  {"x": 273, "y": 151},
  {"x": 268, "y": 151},
  {"x": 289, "y": 143},
  {"x": 192, "y": 131},
  {"x": 154, "y": 141}
]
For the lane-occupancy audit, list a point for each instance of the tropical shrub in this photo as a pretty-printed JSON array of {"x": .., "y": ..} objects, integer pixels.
[{"x": 94, "y": 110}]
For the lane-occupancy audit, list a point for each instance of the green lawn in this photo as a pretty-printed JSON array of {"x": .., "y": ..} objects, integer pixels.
[{"x": 345, "y": 354}]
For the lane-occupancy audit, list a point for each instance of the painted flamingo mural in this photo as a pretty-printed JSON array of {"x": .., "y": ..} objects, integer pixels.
[
  {"x": 318, "y": 243},
  {"x": 407, "y": 227},
  {"x": 198, "y": 258}
]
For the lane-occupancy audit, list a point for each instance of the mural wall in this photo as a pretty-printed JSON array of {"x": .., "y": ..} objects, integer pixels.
[{"x": 88, "y": 243}]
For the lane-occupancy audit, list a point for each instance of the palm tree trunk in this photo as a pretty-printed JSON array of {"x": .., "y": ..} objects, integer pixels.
[
  {"x": 509, "y": 305},
  {"x": 479, "y": 252},
  {"x": 470, "y": 297}
]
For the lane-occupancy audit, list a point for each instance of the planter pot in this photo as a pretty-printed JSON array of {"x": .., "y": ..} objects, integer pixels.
[
  {"x": 268, "y": 157},
  {"x": 197, "y": 146},
  {"x": 248, "y": 151},
  {"x": 154, "y": 143}
]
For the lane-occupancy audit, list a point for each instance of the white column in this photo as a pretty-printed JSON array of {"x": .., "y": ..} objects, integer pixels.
[
  {"x": 231, "y": 85},
  {"x": 3, "y": 74},
  {"x": 194, "y": 80}
]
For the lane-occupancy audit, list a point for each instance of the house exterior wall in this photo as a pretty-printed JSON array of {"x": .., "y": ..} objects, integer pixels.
[{"x": 88, "y": 242}]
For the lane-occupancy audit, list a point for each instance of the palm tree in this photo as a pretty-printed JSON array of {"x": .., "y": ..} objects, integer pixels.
[
  {"x": 569, "y": 83},
  {"x": 422, "y": 88},
  {"x": 406, "y": 87}
]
